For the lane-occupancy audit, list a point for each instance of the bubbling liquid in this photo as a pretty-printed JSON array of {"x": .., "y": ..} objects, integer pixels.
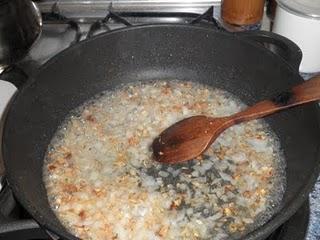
[{"x": 103, "y": 183}]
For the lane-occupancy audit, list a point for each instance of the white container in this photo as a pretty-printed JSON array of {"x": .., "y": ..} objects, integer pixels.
[{"x": 299, "y": 20}]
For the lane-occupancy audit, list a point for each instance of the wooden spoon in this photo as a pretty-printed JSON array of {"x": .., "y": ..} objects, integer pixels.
[{"x": 189, "y": 138}]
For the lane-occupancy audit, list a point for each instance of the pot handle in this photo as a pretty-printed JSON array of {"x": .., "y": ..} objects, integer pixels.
[{"x": 277, "y": 44}]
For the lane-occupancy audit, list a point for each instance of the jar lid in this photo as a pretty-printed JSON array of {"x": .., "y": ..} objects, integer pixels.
[{"x": 306, "y": 8}]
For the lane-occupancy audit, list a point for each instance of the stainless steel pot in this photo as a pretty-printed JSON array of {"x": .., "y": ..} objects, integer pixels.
[{"x": 20, "y": 26}]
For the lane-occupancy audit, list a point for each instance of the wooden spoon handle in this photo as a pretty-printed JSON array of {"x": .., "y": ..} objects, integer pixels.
[{"x": 307, "y": 92}]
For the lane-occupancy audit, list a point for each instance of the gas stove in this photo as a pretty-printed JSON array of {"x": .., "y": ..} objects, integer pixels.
[{"x": 67, "y": 22}]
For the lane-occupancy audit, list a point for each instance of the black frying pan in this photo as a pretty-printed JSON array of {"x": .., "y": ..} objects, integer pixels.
[{"x": 234, "y": 62}]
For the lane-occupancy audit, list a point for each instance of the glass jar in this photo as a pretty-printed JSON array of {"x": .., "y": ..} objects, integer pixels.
[{"x": 246, "y": 13}]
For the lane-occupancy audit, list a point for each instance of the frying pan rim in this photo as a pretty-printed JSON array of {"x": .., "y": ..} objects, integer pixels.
[
  {"x": 234, "y": 35},
  {"x": 272, "y": 224}
]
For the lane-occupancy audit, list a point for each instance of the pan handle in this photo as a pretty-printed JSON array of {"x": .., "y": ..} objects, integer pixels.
[
  {"x": 15, "y": 76},
  {"x": 277, "y": 44},
  {"x": 11, "y": 80}
]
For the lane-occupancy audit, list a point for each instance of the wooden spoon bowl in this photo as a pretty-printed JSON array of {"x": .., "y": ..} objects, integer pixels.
[{"x": 189, "y": 138}]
